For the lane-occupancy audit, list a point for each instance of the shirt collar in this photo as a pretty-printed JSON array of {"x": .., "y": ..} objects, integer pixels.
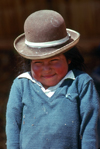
[{"x": 69, "y": 75}]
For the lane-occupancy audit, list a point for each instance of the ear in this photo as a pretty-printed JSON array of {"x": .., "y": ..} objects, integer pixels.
[{"x": 69, "y": 61}]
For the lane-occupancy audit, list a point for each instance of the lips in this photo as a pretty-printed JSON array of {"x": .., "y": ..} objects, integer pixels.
[{"x": 48, "y": 76}]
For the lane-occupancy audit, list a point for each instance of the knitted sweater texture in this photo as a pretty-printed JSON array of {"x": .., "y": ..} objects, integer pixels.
[{"x": 67, "y": 120}]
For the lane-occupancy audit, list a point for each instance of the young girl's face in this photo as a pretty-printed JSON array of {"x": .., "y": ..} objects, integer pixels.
[{"x": 50, "y": 71}]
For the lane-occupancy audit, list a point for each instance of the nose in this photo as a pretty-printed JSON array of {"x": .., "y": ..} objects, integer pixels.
[{"x": 46, "y": 67}]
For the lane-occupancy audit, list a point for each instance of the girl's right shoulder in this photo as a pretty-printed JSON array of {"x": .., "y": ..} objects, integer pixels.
[
  {"x": 20, "y": 79},
  {"x": 24, "y": 75}
]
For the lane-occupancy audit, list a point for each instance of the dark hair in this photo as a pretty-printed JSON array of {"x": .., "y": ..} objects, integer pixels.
[
  {"x": 22, "y": 65},
  {"x": 77, "y": 61}
]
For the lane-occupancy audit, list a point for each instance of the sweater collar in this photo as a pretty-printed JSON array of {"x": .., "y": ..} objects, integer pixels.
[{"x": 69, "y": 75}]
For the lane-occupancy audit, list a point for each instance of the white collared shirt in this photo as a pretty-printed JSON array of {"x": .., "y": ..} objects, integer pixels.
[{"x": 51, "y": 90}]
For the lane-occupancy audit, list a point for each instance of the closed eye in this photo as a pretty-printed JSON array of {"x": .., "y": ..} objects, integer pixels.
[
  {"x": 38, "y": 63},
  {"x": 54, "y": 60}
]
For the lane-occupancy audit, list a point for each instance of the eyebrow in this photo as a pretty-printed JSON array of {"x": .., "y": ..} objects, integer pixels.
[{"x": 53, "y": 57}]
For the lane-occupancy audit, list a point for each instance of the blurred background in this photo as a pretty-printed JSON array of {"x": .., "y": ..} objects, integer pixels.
[{"x": 80, "y": 15}]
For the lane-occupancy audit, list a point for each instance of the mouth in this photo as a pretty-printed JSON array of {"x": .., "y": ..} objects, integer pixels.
[{"x": 48, "y": 76}]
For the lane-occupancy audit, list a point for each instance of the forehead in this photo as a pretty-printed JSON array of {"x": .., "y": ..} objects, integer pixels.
[{"x": 60, "y": 56}]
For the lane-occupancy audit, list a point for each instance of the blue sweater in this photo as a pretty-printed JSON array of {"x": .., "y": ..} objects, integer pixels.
[{"x": 67, "y": 120}]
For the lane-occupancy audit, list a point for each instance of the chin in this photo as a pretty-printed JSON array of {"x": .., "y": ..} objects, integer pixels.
[{"x": 49, "y": 85}]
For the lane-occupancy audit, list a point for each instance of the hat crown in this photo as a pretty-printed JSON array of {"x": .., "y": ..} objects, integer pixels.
[
  {"x": 45, "y": 35},
  {"x": 44, "y": 26}
]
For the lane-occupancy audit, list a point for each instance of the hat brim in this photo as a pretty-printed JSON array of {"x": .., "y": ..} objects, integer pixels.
[{"x": 41, "y": 53}]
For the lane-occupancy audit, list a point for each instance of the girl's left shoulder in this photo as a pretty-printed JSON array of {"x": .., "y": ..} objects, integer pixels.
[{"x": 82, "y": 76}]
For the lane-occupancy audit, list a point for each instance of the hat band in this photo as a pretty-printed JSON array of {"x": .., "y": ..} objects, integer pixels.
[{"x": 47, "y": 44}]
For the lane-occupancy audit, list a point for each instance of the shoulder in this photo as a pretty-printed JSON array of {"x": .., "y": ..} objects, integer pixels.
[
  {"x": 82, "y": 80},
  {"x": 82, "y": 76},
  {"x": 84, "y": 84},
  {"x": 21, "y": 80},
  {"x": 24, "y": 75}
]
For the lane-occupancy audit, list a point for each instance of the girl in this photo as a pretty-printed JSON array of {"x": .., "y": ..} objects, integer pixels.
[{"x": 55, "y": 104}]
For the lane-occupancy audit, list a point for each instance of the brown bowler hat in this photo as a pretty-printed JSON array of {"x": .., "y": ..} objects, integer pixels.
[{"x": 45, "y": 36}]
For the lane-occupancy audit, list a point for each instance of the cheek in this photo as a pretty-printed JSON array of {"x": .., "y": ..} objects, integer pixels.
[
  {"x": 35, "y": 71},
  {"x": 61, "y": 69}
]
